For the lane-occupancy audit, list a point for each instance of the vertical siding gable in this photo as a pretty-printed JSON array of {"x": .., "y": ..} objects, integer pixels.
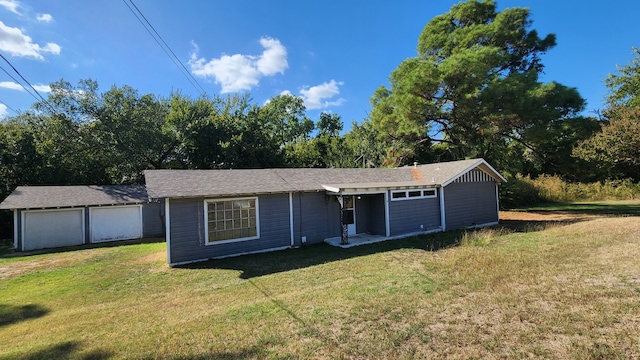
[{"x": 475, "y": 176}]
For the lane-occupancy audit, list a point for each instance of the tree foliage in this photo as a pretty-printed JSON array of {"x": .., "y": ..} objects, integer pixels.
[
  {"x": 624, "y": 87},
  {"x": 615, "y": 151},
  {"x": 474, "y": 87}
]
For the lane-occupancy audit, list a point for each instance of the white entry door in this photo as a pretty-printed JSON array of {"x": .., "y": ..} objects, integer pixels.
[{"x": 350, "y": 214}]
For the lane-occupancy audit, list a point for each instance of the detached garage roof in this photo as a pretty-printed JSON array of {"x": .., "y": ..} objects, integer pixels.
[
  {"x": 195, "y": 183},
  {"x": 38, "y": 197}
]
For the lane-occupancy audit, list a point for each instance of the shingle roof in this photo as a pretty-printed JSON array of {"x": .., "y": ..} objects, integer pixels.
[
  {"x": 193, "y": 183},
  {"x": 30, "y": 197}
]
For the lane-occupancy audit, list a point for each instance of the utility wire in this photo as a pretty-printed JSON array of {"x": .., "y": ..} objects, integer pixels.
[
  {"x": 9, "y": 107},
  {"x": 165, "y": 47},
  {"x": 19, "y": 83},
  {"x": 28, "y": 83}
]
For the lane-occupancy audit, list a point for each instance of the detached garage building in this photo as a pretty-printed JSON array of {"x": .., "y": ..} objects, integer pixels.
[{"x": 55, "y": 216}]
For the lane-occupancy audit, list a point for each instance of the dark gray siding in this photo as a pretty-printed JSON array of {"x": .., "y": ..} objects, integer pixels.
[
  {"x": 362, "y": 207},
  {"x": 377, "y": 223},
  {"x": 187, "y": 241},
  {"x": 152, "y": 220},
  {"x": 470, "y": 204},
  {"x": 370, "y": 214},
  {"x": 316, "y": 216},
  {"x": 406, "y": 216}
]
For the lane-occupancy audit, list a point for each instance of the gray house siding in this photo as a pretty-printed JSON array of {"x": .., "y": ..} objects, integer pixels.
[
  {"x": 470, "y": 204},
  {"x": 152, "y": 220},
  {"x": 187, "y": 238},
  {"x": 316, "y": 216},
  {"x": 370, "y": 214},
  {"x": 407, "y": 216}
]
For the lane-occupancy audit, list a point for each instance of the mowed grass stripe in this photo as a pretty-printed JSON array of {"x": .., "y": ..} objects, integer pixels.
[{"x": 554, "y": 290}]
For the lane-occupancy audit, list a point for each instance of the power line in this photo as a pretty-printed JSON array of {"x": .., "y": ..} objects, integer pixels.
[
  {"x": 166, "y": 48},
  {"x": 28, "y": 83},
  {"x": 19, "y": 83},
  {"x": 9, "y": 107}
]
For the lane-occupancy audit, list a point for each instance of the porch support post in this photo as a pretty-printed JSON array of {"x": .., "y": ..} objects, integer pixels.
[{"x": 344, "y": 228}]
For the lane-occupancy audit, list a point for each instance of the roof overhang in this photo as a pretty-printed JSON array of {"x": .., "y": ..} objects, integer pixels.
[{"x": 373, "y": 188}]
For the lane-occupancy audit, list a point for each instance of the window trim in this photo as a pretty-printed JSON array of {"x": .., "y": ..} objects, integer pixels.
[
  {"x": 408, "y": 197},
  {"x": 228, "y": 241}
]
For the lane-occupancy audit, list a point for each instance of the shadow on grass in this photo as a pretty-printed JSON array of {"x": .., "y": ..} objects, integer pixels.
[
  {"x": 310, "y": 255},
  {"x": 64, "y": 350},
  {"x": 11, "y": 314}
]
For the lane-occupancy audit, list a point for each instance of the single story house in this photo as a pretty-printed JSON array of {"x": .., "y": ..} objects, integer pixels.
[
  {"x": 55, "y": 216},
  {"x": 220, "y": 213}
]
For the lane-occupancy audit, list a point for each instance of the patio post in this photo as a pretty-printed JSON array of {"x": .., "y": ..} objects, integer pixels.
[{"x": 344, "y": 229}]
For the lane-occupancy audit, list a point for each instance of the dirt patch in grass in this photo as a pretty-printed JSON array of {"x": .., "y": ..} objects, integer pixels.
[
  {"x": 538, "y": 216},
  {"x": 30, "y": 264}
]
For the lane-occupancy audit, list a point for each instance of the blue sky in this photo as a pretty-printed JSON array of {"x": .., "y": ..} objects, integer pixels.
[{"x": 332, "y": 53}]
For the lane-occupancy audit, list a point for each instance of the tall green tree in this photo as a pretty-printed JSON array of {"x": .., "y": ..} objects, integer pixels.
[
  {"x": 615, "y": 151},
  {"x": 474, "y": 88},
  {"x": 285, "y": 118},
  {"x": 624, "y": 87}
]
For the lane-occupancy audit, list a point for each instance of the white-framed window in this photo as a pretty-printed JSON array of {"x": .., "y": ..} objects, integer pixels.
[
  {"x": 413, "y": 194},
  {"x": 230, "y": 220}
]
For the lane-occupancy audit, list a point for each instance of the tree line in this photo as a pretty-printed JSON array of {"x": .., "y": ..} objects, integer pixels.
[{"x": 472, "y": 90}]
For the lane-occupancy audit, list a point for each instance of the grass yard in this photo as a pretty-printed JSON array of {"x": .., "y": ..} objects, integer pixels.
[{"x": 556, "y": 283}]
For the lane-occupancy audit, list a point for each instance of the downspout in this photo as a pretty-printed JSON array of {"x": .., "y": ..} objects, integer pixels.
[
  {"x": 443, "y": 221},
  {"x": 167, "y": 229}
]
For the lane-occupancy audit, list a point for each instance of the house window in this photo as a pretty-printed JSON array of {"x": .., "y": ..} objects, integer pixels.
[
  {"x": 398, "y": 195},
  {"x": 429, "y": 193},
  {"x": 413, "y": 194},
  {"x": 232, "y": 220}
]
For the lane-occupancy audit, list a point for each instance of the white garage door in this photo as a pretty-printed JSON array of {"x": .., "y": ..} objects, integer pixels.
[
  {"x": 52, "y": 228},
  {"x": 115, "y": 223}
]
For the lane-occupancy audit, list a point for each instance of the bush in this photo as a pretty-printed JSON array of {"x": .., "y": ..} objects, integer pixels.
[{"x": 521, "y": 191}]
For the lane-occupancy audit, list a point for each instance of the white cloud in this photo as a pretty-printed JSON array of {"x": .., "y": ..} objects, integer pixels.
[
  {"x": 273, "y": 59},
  {"x": 13, "y": 41},
  {"x": 242, "y": 72},
  {"x": 11, "y": 5},
  {"x": 15, "y": 86},
  {"x": 3, "y": 111},
  {"x": 11, "y": 85},
  {"x": 42, "y": 88},
  {"x": 316, "y": 97},
  {"x": 44, "y": 18}
]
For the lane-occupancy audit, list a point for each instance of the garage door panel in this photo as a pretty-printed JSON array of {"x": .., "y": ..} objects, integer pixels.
[
  {"x": 49, "y": 229},
  {"x": 115, "y": 223}
]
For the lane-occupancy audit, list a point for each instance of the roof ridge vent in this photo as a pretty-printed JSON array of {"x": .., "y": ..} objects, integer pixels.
[{"x": 415, "y": 164}]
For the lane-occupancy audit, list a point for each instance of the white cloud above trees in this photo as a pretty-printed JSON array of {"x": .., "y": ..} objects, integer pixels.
[
  {"x": 318, "y": 97},
  {"x": 15, "y": 86},
  {"x": 16, "y": 43},
  {"x": 240, "y": 72}
]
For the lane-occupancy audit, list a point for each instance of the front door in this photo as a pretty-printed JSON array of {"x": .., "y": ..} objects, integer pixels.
[{"x": 350, "y": 214}]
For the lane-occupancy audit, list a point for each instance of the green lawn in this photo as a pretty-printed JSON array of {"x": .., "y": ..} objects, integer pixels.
[{"x": 569, "y": 290}]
